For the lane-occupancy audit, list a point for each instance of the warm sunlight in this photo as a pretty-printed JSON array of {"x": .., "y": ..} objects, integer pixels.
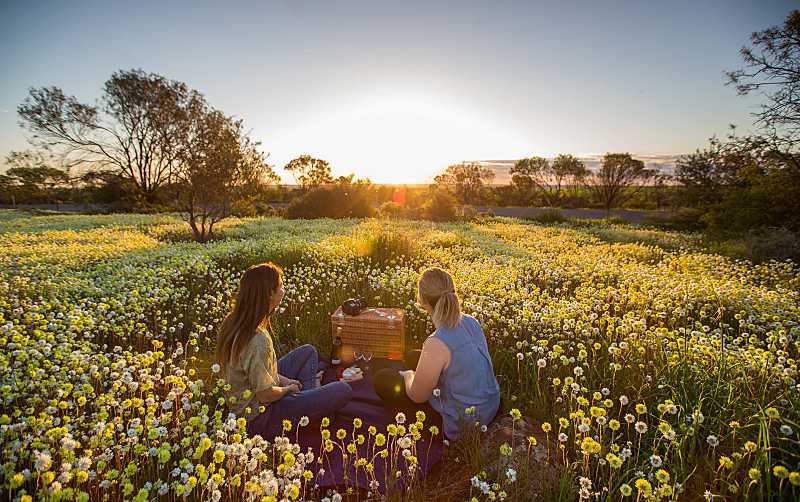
[
  {"x": 398, "y": 136},
  {"x": 518, "y": 251}
]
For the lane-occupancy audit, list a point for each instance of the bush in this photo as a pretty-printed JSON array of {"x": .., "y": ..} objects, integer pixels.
[
  {"x": 771, "y": 244},
  {"x": 334, "y": 201},
  {"x": 391, "y": 210},
  {"x": 441, "y": 206},
  {"x": 683, "y": 220},
  {"x": 384, "y": 247}
]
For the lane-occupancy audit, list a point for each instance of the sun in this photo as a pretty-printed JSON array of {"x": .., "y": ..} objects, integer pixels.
[{"x": 397, "y": 136}]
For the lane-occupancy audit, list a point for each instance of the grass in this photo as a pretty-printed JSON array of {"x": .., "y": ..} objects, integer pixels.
[{"x": 587, "y": 323}]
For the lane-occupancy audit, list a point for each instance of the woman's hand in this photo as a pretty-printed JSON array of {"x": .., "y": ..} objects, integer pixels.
[
  {"x": 408, "y": 378},
  {"x": 276, "y": 392},
  {"x": 282, "y": 380}
]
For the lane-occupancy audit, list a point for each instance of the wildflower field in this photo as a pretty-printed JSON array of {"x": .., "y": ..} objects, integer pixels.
[{"x": 643, "y": 367}]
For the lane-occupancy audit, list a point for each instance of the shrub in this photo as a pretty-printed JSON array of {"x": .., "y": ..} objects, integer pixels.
[
  {"x": 441, "y": 206},
  {"x": 686, "y": 219},
  {"x": 383, "y": 246},
  {"x": 771, "y": 243},
  {"x": 391, "y": 210},
  {"x": 334, "y": 201}
]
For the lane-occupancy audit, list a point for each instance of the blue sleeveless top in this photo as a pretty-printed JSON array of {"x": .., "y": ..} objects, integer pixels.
[{"x": 468, "y": 380}]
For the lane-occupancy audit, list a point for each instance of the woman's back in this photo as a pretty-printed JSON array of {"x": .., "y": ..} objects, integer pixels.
[{"x": 468, "y": 381}]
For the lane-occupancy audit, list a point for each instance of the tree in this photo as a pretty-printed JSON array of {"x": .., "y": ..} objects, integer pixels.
[
  {"x": 32, "y": 177},
  {"x": 136, "y": 128},
  {"x": 351, "y": 179},
  {"x": 750, "y": 182},
  {"x": 532, "y": 174},
  {"x": 102, "y": 186},
  {"x": 220, "y": 170},
  {"x": 568, "y": 170},
  {"x": 707, "y": 174},
  {"x": 548, "y": 178},
  {"x": 772, "y": 66},
  {"x": 309, "y": 172},
  {"x": 467, "y": 179},
  {"x": 620, "y": 176}
]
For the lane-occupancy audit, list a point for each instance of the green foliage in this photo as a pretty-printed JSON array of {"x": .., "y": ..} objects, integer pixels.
[
  {"x": 440, "y": 206},
  {"x": 309, "y": 172},
  {"x": 767, "y": 243},
  {"x": 685, "y": 219},
  {"x": 610, "y": 341},
  {"x": 466, "y": 180},
  {"x": 333, "y": 201}
]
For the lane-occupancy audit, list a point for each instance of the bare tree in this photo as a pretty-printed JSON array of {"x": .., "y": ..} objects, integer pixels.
[
  {"x": 620, "y": 177},
  {"x": 135, "y": 128}
]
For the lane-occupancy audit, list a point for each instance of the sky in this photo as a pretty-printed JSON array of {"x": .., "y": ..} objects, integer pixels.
[{"x": 396, "y": 91}]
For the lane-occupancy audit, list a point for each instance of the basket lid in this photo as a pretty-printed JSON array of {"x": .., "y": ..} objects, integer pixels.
[{"x": 372, "y": 314}]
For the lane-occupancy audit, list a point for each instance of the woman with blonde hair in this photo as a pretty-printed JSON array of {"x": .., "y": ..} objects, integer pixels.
[
  {"x": 264, "y": 389},
  {"x": 454, "y": 372}
]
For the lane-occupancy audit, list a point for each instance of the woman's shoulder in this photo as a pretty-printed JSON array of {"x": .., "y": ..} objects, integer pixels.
[
  {"x": 471, "y": 321},
  {"x": 469, "y": 318},
  {"x": 261, "y": 340}
]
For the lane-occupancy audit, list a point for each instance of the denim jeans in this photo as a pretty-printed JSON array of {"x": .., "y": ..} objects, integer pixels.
[{"x": 313, "y": 402}]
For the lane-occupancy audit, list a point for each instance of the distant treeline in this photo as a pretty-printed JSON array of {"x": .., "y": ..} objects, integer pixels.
[{"x": 153, "y": 144}]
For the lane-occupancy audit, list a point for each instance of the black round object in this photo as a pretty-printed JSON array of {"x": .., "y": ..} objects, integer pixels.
[{"x": 390, "y": 386}]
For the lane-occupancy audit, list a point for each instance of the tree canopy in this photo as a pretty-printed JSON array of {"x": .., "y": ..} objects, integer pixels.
[
  {"x": 136, "y": 128},
  {"x": 466, "y": 179},
  {"x": 310, "y": 172}
]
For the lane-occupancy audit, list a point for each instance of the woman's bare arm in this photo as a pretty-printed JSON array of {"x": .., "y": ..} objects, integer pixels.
[
  {"x": 276, "y": 392},
  {"x": 433, "y": 360}
]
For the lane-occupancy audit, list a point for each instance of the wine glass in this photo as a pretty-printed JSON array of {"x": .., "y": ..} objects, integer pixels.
[
  {"x": 358, "y": 355},
  {"x": 366, "y": 356}
]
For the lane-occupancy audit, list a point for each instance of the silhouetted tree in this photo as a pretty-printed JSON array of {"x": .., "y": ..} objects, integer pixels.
[
  {"x": 350, "y": 179},
  {"x": 220, "y": 170},
  {"x": 707, "y": 174},
  {"x": 531, "y": 174},
  {"x": 136, "y": 128},
  {"x": 106, "y": 187},
  {"x": 309, "y": 172},
  {"x": 772, "y": 66},
  {"x": 31, "y": 177},
  {"x": 548, "y": 178},
  {"x": 619, "y": 177},
  {"x": 568, "y": 170},
  {"x": 466, "y": 179}
]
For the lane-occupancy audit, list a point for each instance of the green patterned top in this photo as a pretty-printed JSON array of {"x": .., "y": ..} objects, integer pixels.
[{"x": 254, "y": 370}]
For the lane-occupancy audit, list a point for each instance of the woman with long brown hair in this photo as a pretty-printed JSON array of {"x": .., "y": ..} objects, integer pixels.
[{"x": 264, "y": 389}]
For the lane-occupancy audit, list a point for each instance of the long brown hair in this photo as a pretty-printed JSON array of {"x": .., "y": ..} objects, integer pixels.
[
  {"x": 250, "y": 311},
  {"x": 436, "y": 288}
]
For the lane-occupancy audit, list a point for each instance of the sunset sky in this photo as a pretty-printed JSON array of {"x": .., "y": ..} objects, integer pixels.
[{"x": 395, "y": 91}]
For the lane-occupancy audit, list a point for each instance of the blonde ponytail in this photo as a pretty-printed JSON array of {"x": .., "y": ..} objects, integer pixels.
[{"x": 436, "y": 289}]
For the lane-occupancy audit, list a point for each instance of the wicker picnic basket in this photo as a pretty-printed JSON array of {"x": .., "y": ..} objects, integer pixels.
[{"x": 378, "y": 330}]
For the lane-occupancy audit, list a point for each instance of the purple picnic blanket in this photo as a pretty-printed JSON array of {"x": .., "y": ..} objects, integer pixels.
[{"x": 367, "y": 406}]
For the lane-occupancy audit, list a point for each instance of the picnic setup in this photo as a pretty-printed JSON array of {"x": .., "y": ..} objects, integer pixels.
[{"x": 364, "y": 341}]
